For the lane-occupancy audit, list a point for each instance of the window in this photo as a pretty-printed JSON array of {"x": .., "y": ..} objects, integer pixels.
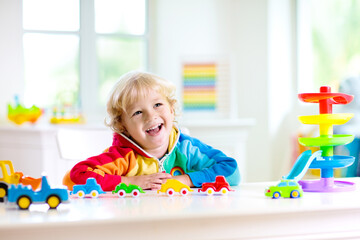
[
  {"x": 121, "y": 45},
  {"x": 292, "y": 184},
  {"x": 74, "y": 51},
  {"x": 282, "y": 184},
  {"x": 329, "y": 46},
  {"x": 51, "y": 52}
]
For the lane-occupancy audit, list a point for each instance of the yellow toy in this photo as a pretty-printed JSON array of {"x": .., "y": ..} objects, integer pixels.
[
  {"x": 64, "y": 120},
  {"x": 14, "y": 178},
  {"x": 66, "y": 115},
  {"x": 171, "y": 186}
]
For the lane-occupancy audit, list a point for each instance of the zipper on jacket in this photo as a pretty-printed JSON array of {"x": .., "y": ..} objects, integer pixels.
[{"x": 161, "y": 162}]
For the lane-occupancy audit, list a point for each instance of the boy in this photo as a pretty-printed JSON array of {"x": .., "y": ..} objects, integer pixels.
[{"x": 147, "y": 146}]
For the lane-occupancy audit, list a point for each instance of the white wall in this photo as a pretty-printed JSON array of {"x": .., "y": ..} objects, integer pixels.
[
  {"x": 256, "y": 36},
  {"x": 283, "y": 102},
  {"x": 11, "y": 61},
  {"x": 252, "y": 68}
]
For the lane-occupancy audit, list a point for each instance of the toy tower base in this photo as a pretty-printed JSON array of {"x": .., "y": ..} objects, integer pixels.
[{"x": 326, "y": 185}]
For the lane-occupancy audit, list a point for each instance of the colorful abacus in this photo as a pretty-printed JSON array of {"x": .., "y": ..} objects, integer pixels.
[
  {"x": 327, "y": 140},
  {"x": 200, "y": 86}
]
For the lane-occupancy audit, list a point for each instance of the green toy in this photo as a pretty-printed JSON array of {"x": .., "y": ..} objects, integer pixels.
[
  {"x": 20, "y": 114},
  {"x": 286, "y": 189},
  {"x": 122, "y": 189}
]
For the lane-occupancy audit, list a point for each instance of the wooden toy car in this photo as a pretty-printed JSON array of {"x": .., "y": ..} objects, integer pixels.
[
  {"x": 122, "y": 189},
  {"x": 171, "y": 186},
  {"x": 90, "y": 187},
  {"x": 286, "y": 189},
  {"x": 220, "y": 185},
  {"x": 24, "y": 196}
]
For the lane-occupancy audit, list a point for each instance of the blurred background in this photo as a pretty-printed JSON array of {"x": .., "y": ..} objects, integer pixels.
[{"x": 238, "y": 66}]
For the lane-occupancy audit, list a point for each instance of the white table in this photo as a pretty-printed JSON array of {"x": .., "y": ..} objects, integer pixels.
[{"x": 244, "y": 214}]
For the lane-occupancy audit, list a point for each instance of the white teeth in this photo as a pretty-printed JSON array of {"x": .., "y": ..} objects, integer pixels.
[{"x": 154, "y": 127}]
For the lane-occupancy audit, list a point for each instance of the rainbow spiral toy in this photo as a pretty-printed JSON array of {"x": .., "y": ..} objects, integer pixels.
[{"x": 327, "y": 140}]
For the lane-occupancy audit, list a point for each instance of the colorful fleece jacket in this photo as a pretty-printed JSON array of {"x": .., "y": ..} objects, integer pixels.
[{"x": 186, "y": 155}]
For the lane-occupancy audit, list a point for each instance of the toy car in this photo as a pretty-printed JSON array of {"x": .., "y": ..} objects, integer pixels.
[
  {"x": 24, "y": 196},
  {"x": 220, "y": 185},
  {"x": 90, "y": 187},
  {"x": 171, "y": 186},
  {"x": 122, "y": 189},
  {"x": 286, "y": 189}
]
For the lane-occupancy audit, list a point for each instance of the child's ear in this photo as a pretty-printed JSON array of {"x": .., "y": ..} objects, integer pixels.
[{"x": 172, "y": 111}]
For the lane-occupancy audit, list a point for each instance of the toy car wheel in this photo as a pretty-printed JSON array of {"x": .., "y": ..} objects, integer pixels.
[
  {"x": 3, "y": 190},
  {"x": 23, "y": 202},
  {"x": 94, "y": 194},
  {"x": 53, "y": 201},
  {"x": 170, "y": 192},
  {"x": 294, "y": 194},
  {"x": 276, "y": 195},
  {"x": 121, "y": 193},
  {"x": 80, "y": 194},
  {"x": 210, "y": 191},
  {"x": 224, "y": 191},
  {"x": 135, "y": 193},
  {"x": 184, "y": 191}
]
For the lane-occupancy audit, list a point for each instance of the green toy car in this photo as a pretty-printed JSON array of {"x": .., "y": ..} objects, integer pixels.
[
  {"x": 286, "y": 189},
  {"x": 122, "y": 189}
]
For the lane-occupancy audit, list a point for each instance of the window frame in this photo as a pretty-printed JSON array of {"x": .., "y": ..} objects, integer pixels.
[{"x": 90, "y": 106}]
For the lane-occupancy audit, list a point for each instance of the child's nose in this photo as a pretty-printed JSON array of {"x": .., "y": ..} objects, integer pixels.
[{"x": 152, "y": 115}]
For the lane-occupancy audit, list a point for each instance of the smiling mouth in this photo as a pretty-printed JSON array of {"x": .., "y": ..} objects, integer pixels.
[{"x": 154, "y": 130}]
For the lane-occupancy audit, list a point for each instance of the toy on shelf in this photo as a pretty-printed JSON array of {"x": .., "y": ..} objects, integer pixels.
[
  {"x": 24, "y": 196},
  {"x": 91, "y": 187},
  {"x": 220, "y": 186},
  {"x": 324, "y": 159},
  {"x": 285, "y": 189},
  {"x": 122, "y": 189},
  {"x": 20, "y": 114},
  {"x": 13, "y": 177},
  {"x": 172, "y": 186},
  {"x": 66, "y": 115}
]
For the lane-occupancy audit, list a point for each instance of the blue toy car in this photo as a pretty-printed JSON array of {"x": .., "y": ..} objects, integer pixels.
[
  {"x": 24, "y": 196},
  {"x": 90, "y": 187}
]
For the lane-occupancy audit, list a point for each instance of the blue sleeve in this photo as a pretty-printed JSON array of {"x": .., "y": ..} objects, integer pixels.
[{"x": 205, "y": 163}]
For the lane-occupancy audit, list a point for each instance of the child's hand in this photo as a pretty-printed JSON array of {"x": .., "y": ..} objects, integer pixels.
[{"x": 151, "y": 181}]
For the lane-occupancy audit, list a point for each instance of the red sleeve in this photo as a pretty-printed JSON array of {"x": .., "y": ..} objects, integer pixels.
[{"x": 107, "y": 168}]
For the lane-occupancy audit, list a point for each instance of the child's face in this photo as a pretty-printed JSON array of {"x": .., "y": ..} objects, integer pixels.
[{"x": 149, "y": 121}]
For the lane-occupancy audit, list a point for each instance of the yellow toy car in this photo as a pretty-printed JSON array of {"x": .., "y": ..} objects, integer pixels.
[{"x": 171, "y": 186}]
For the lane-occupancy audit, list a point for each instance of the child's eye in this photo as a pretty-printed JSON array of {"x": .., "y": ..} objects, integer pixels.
[
  {"x": 136, "y": 113},
  {"x": 157, "y": 104}
]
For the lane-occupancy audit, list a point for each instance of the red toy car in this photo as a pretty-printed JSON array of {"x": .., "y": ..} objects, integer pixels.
[{"x": 220, "y": 185}]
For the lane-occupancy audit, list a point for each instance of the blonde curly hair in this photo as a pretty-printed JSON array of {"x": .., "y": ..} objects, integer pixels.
[{"x": 131, "y": 87}]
